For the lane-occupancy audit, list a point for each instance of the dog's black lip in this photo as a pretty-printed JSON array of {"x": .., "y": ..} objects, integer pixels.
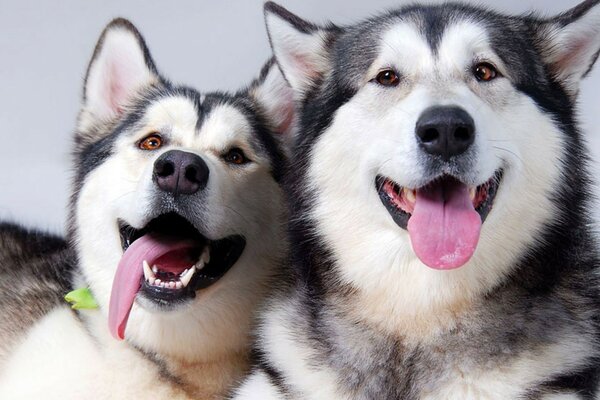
[
  {"x": 225, "y": 253},
  {"x": 401, "y": 217}
]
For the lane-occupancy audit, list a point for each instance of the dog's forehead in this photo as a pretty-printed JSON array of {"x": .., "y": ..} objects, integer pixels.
[
  {"x": 418, "y": 36},
  {"x": 177, "y": 113},
  {"x": 224, "y": 125},
  {"x": 407, "y": 45},
  {"x": 215, "y": 125}
]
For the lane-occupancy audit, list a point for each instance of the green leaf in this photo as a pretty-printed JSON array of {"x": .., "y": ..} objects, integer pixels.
[{"x": 81, "y": 299}]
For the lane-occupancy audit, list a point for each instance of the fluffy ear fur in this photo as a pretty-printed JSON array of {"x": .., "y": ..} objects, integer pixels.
[
  {"x": 300, "y": 48},
  {"x": 120, "y": 66},
  {"x": 571, "y": 43},
  {"x": 275, "y": 98}
]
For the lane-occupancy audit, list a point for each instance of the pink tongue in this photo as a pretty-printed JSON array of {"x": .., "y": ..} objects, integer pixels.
[
  {"x": 129, "y": 274},
  {"x": 444, "y": 227}
]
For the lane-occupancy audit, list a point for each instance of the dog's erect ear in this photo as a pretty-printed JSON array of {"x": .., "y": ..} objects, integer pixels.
[
  {"x": 571, "y": 43},
  {"x": 299, "y": 47},
  {"x": 120, "y": 66},
  {"x": 275, "y": 98}
]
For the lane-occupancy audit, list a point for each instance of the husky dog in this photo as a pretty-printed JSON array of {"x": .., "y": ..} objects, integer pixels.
[
  {"x": 176, "y": 225},
  {"x": 440, "y": 222}
]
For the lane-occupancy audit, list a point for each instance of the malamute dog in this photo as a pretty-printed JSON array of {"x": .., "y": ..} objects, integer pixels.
[
  {"x": 176, "y": 223},
  {"x": 440, "y": 214}
]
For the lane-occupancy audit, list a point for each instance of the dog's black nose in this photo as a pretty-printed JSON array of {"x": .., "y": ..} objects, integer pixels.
[
  {"x": 445, "y": 131},
  {"x": 180, "y": 172}
]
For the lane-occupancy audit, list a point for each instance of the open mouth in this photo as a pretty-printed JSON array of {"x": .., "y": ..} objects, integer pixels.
[
  {"x": 166, "y": 262},
  {"x": 443, "y": 218}
]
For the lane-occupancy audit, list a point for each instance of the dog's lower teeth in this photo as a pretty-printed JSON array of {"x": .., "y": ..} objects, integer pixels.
[
  {"x": 182, "y": 281},
  {"x": 185, "y": 278}
]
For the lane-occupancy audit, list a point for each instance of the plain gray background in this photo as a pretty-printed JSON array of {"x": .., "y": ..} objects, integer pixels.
[{"x": 45, "y": 47}]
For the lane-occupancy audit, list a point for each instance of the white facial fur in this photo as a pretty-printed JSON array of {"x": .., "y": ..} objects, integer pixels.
[
  {"x": 242, "y": 201},
  {"x": 374, "y": 133}
]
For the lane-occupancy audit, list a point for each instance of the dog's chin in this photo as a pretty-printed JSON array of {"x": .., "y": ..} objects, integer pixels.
[{"x": 173, "y": 281}]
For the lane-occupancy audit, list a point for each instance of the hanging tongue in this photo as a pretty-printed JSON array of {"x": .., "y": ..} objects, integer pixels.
[
  {"x": 444, "y": 227},
  {"x": 127, "y": 281}
]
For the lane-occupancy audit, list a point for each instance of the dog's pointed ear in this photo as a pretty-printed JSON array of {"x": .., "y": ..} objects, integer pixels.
[
  {"x": 300, "y": 48},
  {"x": 275, "y": 99},
  {"x": 121, "y": 65},
  {"x": 571, "y": 43}
]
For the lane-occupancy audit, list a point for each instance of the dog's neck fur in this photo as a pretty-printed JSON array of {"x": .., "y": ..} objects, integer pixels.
[
  {"x": 207, "y": 380},
  {"x": 419, "y": 346}
]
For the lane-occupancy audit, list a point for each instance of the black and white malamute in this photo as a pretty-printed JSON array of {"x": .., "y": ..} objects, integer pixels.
[
  {"x": 440, "y": 210},
  {"x": 176, "y": 226}
]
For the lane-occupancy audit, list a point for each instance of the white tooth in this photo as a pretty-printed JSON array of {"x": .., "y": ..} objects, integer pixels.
[
  {"x": 157, "y": 282},
  {"x": 147, "y": 271},
  {"x": 206, "y": 255},
  {"x": 162, "y": 284},
  {"x": 172, "y": 285},
  {"x": 472, "y": 193},
  {"x": 185, "y": 279},
  {"x": 178, "y": 285},
  {"x": 152, "y": 281},
  {"x": 199, "y": 265},
  {"x": 184, "y": 272},
  {"x": 155, "y": 269},
  {"x": 410, "y": 195}
]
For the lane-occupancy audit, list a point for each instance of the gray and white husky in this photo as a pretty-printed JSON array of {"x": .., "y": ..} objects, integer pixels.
[
  {"x": 440, "y": 215},
  {"x": 176, "y": 226}
]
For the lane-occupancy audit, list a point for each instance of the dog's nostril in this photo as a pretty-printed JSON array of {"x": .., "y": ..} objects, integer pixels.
[
  {"x": 191, "y": 174},
  {"x": 430, "y": 135},
  {"x": 164, "y": 169},
  {"x": 463, "y": 134}
]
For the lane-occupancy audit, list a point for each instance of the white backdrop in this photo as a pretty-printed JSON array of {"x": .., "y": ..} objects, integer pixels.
[{"x": 207, "y": 44}]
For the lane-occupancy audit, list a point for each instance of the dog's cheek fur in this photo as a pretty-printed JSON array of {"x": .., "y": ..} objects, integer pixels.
[{"x": 116, "y": 186}]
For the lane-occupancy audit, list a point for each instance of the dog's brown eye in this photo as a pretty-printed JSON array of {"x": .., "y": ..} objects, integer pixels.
[
  {"x": 485, "y": 72},
  {"x": 151, "y": 142},
  {"x": 387, "y": 78},
  {"x": 236, "y": 156}
]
